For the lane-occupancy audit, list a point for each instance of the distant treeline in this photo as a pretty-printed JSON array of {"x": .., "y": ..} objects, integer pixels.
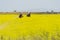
[{"x": 30, "y": 12}]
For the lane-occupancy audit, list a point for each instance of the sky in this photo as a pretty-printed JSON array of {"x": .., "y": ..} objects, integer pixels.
[{"x": 29, "y": 5}]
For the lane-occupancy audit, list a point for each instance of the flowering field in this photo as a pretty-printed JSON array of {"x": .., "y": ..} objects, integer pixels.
[{"x": 36, "y": 27}]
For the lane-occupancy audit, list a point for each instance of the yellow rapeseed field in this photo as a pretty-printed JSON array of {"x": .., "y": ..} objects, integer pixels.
[{"x": 36, "y": 27}]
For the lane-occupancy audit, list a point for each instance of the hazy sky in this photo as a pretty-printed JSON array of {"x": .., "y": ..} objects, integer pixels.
[{"x": 29, "y": 5}]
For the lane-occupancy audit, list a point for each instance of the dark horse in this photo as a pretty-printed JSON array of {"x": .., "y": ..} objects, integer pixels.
[
  {"x": 28, "y": 15},
  {"x": 20, "y": 16}
]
